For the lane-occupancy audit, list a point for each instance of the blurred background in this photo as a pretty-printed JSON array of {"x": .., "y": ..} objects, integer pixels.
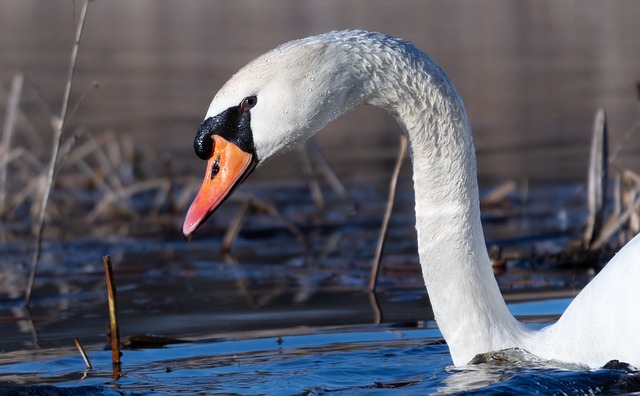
[{"x": 531, "y": 73}]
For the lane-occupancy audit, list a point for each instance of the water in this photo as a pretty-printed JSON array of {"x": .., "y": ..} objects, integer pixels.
[
  {"x": 281, "y": 321},
  {"x": 280, "y": 316}
]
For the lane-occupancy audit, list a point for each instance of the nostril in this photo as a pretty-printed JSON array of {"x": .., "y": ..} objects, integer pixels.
[{"x": 215, "y": 168}]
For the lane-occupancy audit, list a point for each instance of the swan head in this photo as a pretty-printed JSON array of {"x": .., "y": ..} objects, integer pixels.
[{"x": 269, "y": 106}]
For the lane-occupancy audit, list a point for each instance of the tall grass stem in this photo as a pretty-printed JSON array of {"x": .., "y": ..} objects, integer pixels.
[{"x": 59, "y": 124}]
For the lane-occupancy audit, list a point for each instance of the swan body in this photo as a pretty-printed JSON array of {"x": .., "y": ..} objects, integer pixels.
[{"x": 288, "y": 94}]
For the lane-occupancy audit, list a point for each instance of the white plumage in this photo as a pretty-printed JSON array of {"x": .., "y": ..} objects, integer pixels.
[{"x": 304, "y": 84}]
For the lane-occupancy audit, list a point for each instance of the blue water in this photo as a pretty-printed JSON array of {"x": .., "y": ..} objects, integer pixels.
[
  {"x": 276, "y": 319},
  {"x": 244, "y": 333},
  {"x": 373, "y": 360}
]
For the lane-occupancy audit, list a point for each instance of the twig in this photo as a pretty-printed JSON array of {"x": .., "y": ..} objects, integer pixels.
[
  {"x": 54, "y": 153},
  {"x": 82, "y": 353},
  {"x": 7, "y": 132},
  {"x": 113, "y": 311},
  {"x": 375, "y": 268}
]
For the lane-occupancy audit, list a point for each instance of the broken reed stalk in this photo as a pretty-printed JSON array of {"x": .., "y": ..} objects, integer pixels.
[
  {"x": 597, "y": 180},
  {"x": 375, "y": 268},
  {"x": 113, "y": 311},
  {"x": 59, "y": 124},
  {"x": 7, "y": 133},
  {"x": 82, "y": 353}
]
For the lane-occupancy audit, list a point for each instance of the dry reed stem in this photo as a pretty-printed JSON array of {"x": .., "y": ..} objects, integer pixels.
[
  {"x": 325, "y": 169},
  {"x": 632, "y": 190},
  {"x": 310, "y": 177},
  {"x": 88, "y": 148},
  {"x": 614, "y": 224},
  {"x": 59, "y": 126},
  {"x": 629, "y": 175},
  {"x": 597, "y": 179},
  {"x": 375, "y": 268},
  {"x": 375, "y": 308},
  {"x": 234, "y": 228},
  {"x": 105, "y": 178},
  {"x": 110, "y": 194},
  {"x": 65, "y": 148},
  {"x": 27, "y": 163},
  {"x": 7, "y": 132},
  {"x": 113, "y": 311},
  {"x": 8, "y": 157},
  {"x": 161, "y": 185},
  {"x": 259, "y": 206},
  {"x": 29, "y": 159},
  {"x": 617, "y": 202},
  {"x": 82, "y": 353},
  {"x": 263, "y": 207},
  {"x": 39, "y": 181},
  {"x": 185, "y": 196},
  {"x": 625, "y": 139},
  {"x": 163, "y": 195},
  {"x": 499, "y": 194}
]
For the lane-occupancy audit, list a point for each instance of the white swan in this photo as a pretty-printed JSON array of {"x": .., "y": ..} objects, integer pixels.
[{"x": 286, "y": 95}]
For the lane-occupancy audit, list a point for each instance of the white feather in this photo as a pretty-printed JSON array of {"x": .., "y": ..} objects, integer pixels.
[{"x": 304, "y": 84}]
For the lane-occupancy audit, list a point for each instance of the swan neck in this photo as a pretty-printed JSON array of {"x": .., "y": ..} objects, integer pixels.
[{"x": 464, "y": 294}]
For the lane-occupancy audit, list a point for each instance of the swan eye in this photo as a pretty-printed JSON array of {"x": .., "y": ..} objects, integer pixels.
[{"x": 248, "y": 103}]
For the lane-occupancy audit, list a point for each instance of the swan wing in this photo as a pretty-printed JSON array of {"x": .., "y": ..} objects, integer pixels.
[{"x": 603, "y": 322}]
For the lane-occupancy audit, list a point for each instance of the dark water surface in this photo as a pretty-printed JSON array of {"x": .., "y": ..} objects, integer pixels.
[{"x": 280, "y": 315}]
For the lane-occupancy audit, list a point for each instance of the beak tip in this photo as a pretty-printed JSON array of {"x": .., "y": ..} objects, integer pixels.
[{"x": 188, "y": 230}]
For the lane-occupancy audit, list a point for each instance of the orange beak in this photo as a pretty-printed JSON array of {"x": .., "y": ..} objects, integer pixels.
[{"x": 225, "y": 170}]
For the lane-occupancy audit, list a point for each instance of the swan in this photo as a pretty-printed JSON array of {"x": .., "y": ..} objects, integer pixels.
[{"x": 285, "y": 96}]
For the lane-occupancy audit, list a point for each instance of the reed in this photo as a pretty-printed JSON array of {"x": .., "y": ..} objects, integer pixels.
[
  {"x": 59, "y": 127},
  {"x": 114, "y": 326},
  {"x": 7, "y": 134},
  {"x": 597, "y": 179},
  {"x": 82, "y": 353},
  {"x": 384, "y": 228}
]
